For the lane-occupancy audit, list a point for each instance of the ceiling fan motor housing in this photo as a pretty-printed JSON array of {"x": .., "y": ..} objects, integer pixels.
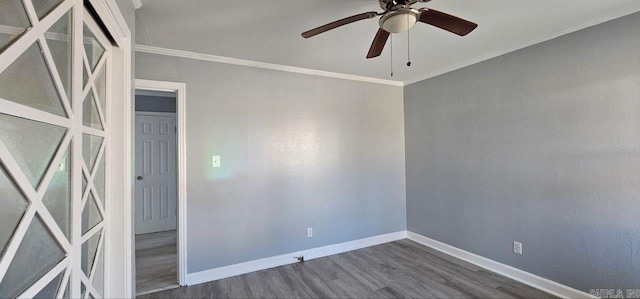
[{"x": 394, "y": 4}]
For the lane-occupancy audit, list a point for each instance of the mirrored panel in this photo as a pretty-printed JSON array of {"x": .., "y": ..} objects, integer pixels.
[
  {"x": 99, "y": 180},
  {"x": 51, "y": 290},
  {"x": 101, "y": 89},
  {"x": 13, "y": 204},
  {"x": 90, "y": 214},
  {"x": 59, "y": 41},
  {"x": 32, "y": 144},
  {"x": 90, "y": 117},
  {"x": 13, "y": 20},
  {"x": 92, "y": 47},
  {"x": 89, "y": 249},
  {"x": 98, "y": 278},
  {"x": 57, "y": 198},
  {"x": 90, "y": 148},
  {"x": 27, "y": 81},
  {"x": 43, "y": 7},
  {"x": 38, "y": 253}
]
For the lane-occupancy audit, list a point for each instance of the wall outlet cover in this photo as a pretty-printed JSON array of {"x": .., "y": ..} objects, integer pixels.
[
  {"x": 309, "y": 232},
  {"x": 215, "y": 161},
  {"x": 517, "y": 247}
]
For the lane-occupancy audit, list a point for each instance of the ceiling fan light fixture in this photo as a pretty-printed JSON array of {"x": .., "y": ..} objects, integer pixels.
[{"x": 400, "y": 20}]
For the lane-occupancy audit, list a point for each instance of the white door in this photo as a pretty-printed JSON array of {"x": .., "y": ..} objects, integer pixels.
[
  {"x": 156, "y": 177},
  {"x": 54, "y": 135}
]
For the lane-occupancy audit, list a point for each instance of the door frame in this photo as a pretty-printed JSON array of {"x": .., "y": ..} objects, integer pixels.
[
  {"x": 181, "y": 145},
  {"x": 110, "y": 15}
]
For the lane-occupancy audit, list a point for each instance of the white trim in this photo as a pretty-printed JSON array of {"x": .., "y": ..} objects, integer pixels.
[
  {"x": 18, "y": 110},
  {"x": 127, "y": 112},
  {"x": 26, "y": 40},
  {"x": 181, "y": 96},
  {"x": 289, "y": 258},
  {"x": 110, "y": 15},
  {"x": 119, "y": 76},
  {"x": 527, "y": 278},
  {"x": 262, "y": 65},
  {"x": 607, "y": 17},
  {"x": 137, "y": 4}
]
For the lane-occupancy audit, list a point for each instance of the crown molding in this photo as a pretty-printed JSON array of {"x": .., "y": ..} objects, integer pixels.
[
  {"x": 137, "y": 3},
  {"x": 615, "y": 14},
  {"x": 262, "y": 65}
]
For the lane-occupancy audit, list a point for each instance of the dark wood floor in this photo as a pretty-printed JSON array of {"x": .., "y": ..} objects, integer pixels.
[{"x": 402, "y": 269}]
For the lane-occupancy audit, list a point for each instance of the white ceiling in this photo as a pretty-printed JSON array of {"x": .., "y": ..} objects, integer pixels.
[{"x": 269, "y": 31}]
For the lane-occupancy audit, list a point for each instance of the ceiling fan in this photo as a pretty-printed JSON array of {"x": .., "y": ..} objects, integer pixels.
[{"x": 399, "y": 16}]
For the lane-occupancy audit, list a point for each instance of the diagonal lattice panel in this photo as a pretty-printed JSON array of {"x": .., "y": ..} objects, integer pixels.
[
  {"x": 41, "y": 144},
  {"x": 38, "y": 253}
]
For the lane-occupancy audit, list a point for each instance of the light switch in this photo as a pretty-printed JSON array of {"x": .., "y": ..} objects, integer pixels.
[{"x": 215, "y": 161}]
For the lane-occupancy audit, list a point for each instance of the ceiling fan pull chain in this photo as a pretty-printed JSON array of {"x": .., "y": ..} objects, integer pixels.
[
  {"x": 408, "y": 44},
  {"x": 391, "y": 55}
]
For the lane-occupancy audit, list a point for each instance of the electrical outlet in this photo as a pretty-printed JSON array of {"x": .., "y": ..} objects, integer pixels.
[
  {"x": 517, "y": 247},
  {"x": 309, "y": 232}
]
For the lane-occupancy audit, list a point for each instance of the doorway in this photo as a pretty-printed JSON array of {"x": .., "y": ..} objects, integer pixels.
[{"x": 157, "y": 180}]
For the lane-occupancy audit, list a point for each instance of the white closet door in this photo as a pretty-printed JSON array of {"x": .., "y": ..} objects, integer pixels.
[{"x": 54, "y": 99}]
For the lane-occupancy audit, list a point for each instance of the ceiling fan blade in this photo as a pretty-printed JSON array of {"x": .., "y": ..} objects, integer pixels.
[
  {"x": 338, "y": 23},
  {"x": 447, "y": 22},
  {"x": 378, "y": 43}
]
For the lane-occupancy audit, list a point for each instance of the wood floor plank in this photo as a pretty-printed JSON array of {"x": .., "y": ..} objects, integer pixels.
[
  {"x": 295, "y": 282},
  {"x": 156, "y": 268},
  {"x": 402, "y": 269}
]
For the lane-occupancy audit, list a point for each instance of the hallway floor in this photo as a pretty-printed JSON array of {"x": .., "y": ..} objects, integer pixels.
[{"x": 156, "y": 262}]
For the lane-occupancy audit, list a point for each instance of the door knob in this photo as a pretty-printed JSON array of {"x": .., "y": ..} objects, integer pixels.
[{"x": 139, "y": 178}]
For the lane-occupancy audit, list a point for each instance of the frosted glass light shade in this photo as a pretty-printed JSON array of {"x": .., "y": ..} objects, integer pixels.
[{"x": 399, "y": 21}]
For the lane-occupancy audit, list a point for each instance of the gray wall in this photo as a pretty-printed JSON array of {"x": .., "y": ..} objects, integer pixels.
[
  {"x": 541, "y": 146},
  {"x": 297, "y": 151},
  {"x": 155, "y": 104}
]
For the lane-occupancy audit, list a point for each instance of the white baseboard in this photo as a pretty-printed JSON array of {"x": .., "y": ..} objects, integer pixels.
[
  {"x": 527, "y": 278},
  {"x": 285, "y": 259}
]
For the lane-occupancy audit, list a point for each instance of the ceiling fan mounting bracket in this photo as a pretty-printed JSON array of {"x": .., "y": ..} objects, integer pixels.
[{"x": 398, "y": 4}]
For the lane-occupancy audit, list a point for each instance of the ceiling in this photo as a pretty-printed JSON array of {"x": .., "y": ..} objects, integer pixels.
[{"x": 268, "y": 31}]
